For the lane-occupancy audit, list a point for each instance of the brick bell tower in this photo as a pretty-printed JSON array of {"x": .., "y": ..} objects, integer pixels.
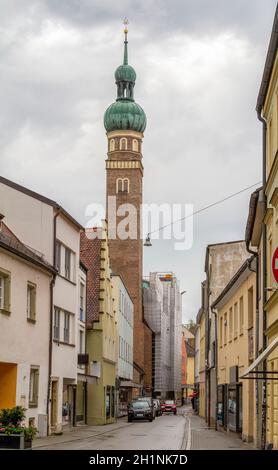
[{"x": 125, "y": 122}]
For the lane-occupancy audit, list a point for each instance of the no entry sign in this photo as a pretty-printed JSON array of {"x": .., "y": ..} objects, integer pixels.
[{"x": 275, "y": 265}]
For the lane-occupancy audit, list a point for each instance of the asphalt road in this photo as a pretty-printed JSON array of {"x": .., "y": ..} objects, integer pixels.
[{"x": 164, "y": 433}]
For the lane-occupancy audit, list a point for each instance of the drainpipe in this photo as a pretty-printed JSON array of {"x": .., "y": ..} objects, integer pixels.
[
  {"x": 216, "y": 366},
  {"x": 264, "y": 272},
  {"x": 51, "y": 322}
]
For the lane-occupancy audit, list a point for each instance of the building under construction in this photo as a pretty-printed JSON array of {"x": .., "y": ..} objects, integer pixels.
[{"x": 162, "y": 311}]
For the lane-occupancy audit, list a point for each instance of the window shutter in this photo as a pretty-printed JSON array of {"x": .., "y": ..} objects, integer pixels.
[{"x": 7, "y": 293}]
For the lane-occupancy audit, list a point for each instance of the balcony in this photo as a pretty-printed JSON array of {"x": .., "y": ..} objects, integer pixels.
[
  {"x": 83, "y": 359},
  {"x": 251, "y": 344}
]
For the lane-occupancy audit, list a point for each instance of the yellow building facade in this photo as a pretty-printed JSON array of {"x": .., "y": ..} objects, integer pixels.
[
  {"x": 267, "y": 108},
  {"x": 236, "y": 309},
  {"x": 101, "y": 338},
  {"x": 202, "y": 369},
  {"x": 270, "y": 113}
]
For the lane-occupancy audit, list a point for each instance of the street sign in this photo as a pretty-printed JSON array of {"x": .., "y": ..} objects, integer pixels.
[{"x": 275, "y": 265}]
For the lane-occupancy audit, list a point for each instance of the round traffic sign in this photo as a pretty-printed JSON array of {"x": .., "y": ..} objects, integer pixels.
[{"x": 275, "y": 265}]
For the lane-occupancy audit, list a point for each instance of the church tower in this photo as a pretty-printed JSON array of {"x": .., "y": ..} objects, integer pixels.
[{"x": 125, "y": 122}]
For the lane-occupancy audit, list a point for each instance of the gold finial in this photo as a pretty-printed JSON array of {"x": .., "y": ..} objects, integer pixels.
[{"x": 125, "y": 22}]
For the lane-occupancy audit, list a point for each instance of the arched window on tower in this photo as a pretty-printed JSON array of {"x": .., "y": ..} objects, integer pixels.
[
  {"x": 112, "y": 145},
  {"x": 135, "y": 145},
  {"x": 123, "y": 143},
  {"x": 122, "y": 185},
  {"x": 126, "y": 185}
]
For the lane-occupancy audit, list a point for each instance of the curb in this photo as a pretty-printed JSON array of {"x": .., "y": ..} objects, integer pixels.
[{"x": 82, "y": 438}]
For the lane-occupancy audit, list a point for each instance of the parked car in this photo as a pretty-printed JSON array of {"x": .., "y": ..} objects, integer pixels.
[
  {"x": 169, "y": 406},
  {"x": 139, "y": 409},
  {"x": 157, "y": 406},
  {"x": 150, "y": 401}
]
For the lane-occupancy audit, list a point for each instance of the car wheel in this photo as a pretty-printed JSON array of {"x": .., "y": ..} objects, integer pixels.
[
  {"x": 150, "y": 420},
  {"x": 175, "y": 412},
  {"x": 129, "y": 420}
]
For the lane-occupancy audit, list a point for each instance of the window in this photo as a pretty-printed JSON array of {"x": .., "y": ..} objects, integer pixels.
[
  {"x": 135, "y": 145},
  {"x": 34, "y": 386},
  {"x": 82, "y": 303},
  {"x": 31, "y": 301},
  {"x": 5, "y": 283},
  {"x": 250, "y": 308},
  {"x": 112, "y": 145},
  {"x": 221, "y": 332},
  {"x": 235, "y": 320},
  {"x": 122, "y": 185},
  {"x": 123, "y": 144},
  {"x": 230, "y": 324},
  {"x": 67, "y": 327},
  {"x": 241, "y": 316},
  {"x": 56, "y": 328},
  {"x": 126, "y": 185},
  {"x": 58, "y": 256},
  {"x": 67, "y": 262}
]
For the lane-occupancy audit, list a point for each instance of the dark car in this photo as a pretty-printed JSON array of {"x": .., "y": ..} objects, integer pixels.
[
  {"x": 150, "y": 401},
  {"x": 157, "y": 407},
  {"x": 169, "y": 406},
  {"x": 139, "y": 410}
]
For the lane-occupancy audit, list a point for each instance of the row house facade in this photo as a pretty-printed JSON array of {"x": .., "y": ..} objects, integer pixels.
[
  {"x": 101, "y": 336},
  {"x": 235, "y": 319}
]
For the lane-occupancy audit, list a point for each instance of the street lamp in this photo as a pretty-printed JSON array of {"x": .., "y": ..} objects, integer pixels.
[{"x": 148, "y": 241}]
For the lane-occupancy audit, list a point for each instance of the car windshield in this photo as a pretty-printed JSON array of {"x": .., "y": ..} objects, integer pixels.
[
  {"x": 169, "y": 402},
  {"x": 140, "y": 404}
]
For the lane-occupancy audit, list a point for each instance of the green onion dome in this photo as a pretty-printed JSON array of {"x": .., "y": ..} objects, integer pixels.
[
  {"x": 125, "y": 113},
  {"x": 125, "y": 73}
]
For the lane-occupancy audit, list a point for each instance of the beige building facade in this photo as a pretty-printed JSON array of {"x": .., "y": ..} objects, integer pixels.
[{"x": 236, "y": 312}]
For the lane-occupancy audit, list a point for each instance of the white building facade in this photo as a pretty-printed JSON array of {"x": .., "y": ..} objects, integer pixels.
[
  {"x": 25, "y": 293},
  {"x": 124, "y": 348},
  {"x": 52, "y": 232}
]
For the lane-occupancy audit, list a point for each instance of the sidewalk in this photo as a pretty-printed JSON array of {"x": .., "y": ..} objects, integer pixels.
[
  {"x": 200, "y": 437},
  {"x": 77, "y": 433}
]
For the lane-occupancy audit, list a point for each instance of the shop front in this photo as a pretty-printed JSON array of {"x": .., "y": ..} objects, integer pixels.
[{"x": 229, "y": 406}]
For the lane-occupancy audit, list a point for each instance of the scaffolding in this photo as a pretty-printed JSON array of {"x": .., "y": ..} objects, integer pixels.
[{"x": 162, "y": 310}]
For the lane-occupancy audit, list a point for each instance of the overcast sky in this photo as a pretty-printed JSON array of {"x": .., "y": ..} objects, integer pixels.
[{"x": 199, "y": 65}]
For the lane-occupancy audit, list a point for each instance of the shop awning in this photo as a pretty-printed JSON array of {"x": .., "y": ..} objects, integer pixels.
[{"x": 260, "y": 358}]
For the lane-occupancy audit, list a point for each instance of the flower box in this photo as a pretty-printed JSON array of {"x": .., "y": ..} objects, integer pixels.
[{"x": 15, "y": 441}]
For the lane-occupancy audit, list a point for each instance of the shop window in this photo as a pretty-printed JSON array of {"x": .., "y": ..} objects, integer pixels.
[{"x": 108, "y": 402}]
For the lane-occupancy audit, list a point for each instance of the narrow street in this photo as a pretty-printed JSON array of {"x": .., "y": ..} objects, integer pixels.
[
  {"x": 165, "y": 432},
  {"x": 184, "y": 431}
]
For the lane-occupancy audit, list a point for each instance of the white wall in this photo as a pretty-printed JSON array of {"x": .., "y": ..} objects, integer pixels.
[
  {"x": 30, "y": 219},
  {"x": 22, "y": 342},
  {"x": 124, "y": 307}
]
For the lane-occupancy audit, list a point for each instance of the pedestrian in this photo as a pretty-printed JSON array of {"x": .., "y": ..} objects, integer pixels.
[{"x": 193, "y": 402}]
